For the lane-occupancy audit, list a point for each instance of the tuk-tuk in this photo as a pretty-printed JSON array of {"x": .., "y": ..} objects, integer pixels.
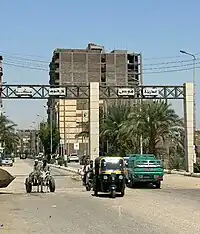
[{"x": 109, "y": 176}]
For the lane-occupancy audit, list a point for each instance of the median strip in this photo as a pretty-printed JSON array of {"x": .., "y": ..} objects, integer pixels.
[
  {"x": 184, "y": 173},
  {"x": 70, "y": 169}
]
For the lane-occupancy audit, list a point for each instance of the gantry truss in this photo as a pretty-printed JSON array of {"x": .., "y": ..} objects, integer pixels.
[{"x": 82, "y": 92}]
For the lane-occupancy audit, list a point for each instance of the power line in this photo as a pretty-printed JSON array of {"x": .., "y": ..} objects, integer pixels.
[
  {"x": 13, "y": 55},
  {"x": 169, "y": 57},
  {"x": 152, "y": 71},
  {"x": 168, "y": 71},
  {"x": 28, "y": 64},
  {"x": 22, "y": 55},
  {"x": 25, "y": 59}
]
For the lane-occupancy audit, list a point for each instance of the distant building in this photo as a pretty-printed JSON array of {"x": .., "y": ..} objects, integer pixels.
[
  {"x": 29, "y": 142},
  {"x": 81, "y": 66}
]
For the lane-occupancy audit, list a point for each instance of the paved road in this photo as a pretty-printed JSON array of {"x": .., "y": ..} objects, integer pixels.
[
  {"x": 75, "y": 165},
  {"x": 173, "y": 209}
]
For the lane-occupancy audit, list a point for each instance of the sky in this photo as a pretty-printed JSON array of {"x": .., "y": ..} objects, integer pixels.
[{"x": 31, "y": 30}]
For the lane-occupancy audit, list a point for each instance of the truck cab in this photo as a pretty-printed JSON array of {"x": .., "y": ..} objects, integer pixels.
[{"x": 144, "y": 169}]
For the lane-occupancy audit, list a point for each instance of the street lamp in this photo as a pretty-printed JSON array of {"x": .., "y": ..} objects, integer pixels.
[{"x": 194, "y": 82}]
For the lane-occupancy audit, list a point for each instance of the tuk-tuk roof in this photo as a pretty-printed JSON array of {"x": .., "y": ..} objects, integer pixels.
[{"x": 97, "y": 160}]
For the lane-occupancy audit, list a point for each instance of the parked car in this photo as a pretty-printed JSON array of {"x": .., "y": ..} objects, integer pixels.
[
  {"x": 73, "y": 158},
  {"x": 7, "y": 162}
]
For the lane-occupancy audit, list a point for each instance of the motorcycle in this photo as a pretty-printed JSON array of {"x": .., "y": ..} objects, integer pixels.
[{"x": 89, "y": 181}]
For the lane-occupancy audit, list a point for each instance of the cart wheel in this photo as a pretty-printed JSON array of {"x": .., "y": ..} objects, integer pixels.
[
  {"x": 52, "y": 185},
  {"x": 88, "y": 187},
  {"x": 28, "y": 186}
]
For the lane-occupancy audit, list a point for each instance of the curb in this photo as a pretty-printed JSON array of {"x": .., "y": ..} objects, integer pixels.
[{"x": 183, "y": 173}]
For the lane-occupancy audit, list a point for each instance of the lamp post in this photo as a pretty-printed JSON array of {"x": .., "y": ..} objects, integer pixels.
[
  {"x": 194, "y": 82},
  {"x": 51, "y": 130}
]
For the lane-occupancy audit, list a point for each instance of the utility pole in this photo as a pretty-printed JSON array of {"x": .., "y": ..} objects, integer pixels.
[
  {"x": 51, "y": 129},
  {"x": 194, "y": 108},
  {"x": 1, "y": 77},
  {"x": 141, "y": 83}
]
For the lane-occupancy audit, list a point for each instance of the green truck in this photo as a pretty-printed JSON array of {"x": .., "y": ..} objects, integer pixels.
[{"x": 144, "y": 169}]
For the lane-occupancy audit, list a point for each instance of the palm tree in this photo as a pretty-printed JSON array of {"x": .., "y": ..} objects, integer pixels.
[
  {"x": 116, "y": 115},
  {"x": 7, "y": 133},
  {"x": 157, "y": 122}
]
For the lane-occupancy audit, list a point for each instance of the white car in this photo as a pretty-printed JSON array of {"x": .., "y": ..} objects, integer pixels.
[
  {"x": 73, "y": 158},
  {"x": 7, "y": 162}
]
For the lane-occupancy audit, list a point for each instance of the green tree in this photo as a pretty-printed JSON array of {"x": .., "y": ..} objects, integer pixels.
[
  {"x": 116, "y": 115},
  {"x": 9, "y": 139},
  {"x": 45, "y": 137},
  {"x": 157, "y": 122}
]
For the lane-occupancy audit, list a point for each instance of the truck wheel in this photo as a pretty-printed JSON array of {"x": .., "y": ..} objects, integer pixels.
[
  {"x": 88, "y": 187},
  {"x": 158, "y": 185},
  {"x": 130, "y": 184},
  {"x": 52, "y": 185},
  {"x": 28, "y": 186}
]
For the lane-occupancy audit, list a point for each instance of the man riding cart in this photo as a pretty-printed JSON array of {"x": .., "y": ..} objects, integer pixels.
[
  {"x": 40, "y": 177},
  {"x": 35, "y": 173}
]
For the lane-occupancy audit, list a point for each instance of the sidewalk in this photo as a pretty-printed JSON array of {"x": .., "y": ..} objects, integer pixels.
[{"x": 21, "y": 169}]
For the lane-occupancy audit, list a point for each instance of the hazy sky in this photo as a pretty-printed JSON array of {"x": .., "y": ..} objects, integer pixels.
[{"x": 31, "y": 30}]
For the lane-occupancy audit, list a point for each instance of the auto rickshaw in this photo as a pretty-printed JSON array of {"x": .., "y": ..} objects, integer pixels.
[{"x": 109, "y": 176}]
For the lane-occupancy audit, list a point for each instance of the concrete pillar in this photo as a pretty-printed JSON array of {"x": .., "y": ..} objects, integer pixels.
[
  {"x": 189, "y": 126},
  {"x": 94, "y": 120}
]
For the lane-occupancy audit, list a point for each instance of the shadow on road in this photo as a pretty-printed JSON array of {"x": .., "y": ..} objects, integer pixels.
[
  {"x": 6, "y": 193},
  {"x": 142, "y": 186},
  {"x": 105, "y": 195}
]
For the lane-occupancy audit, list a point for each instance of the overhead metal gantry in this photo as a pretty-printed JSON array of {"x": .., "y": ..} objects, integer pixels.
[
  {"x": 82, "y": 92},
  {"x": 95, "y": 91}
]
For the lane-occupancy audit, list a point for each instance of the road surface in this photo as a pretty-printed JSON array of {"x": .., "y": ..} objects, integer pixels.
[
  {"x": 75, "y": 165},
  {"x": 170, "y": 210}
]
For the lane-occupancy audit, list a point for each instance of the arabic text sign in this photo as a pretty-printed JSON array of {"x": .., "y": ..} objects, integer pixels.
[
  {"x": 23, "y": 91},
  {"x": 57, "y": 91},
  {"x": 125, "y": 92},
  {"x": 76, "y": 146},
  {"x": 150, "y": 92}
]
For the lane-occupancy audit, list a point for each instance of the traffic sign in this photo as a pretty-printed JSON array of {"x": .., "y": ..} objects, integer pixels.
[
  {"x": 76, "y": 146},
  {"x": 62, "y": 141}
]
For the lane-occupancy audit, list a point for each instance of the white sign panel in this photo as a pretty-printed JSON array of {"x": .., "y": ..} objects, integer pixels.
[
  {"x": 76, "y": 146},
  {"x": 57, "y": 91},
  {"x": 62, "y": 141},
  {"x": 125, "y": 92},
  {"x": 150, "y": 92},
  {"x": 24, "y": 91}
]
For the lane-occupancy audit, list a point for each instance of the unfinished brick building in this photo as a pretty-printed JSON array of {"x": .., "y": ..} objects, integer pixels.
[{"x": 81, "y": 66}]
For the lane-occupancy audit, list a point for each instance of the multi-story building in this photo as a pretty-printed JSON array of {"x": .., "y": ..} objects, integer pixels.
[
  {"x": 28, "y": 141},
  {"x": 81, "y": 66}
]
